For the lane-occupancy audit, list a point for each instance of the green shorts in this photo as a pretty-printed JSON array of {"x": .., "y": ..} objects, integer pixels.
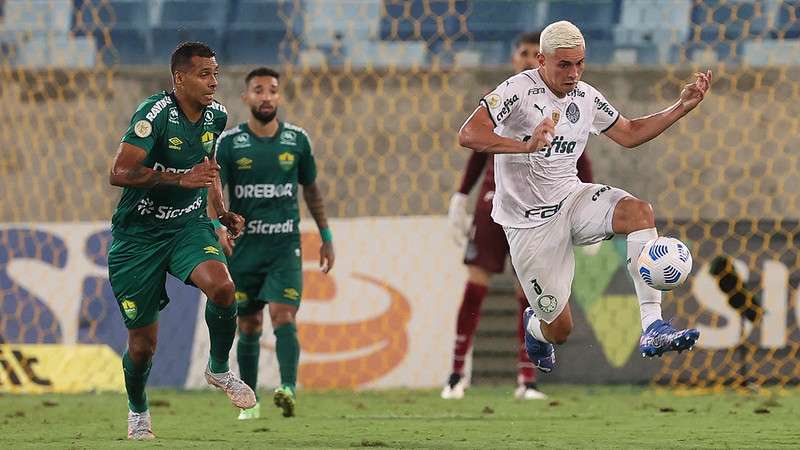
[
  {"x": 138, "y": 271},
  {"x": 266, "y": 273}
]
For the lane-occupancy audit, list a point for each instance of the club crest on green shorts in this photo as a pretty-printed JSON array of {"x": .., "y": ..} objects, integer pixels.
[{"x": 129, "y": 308}]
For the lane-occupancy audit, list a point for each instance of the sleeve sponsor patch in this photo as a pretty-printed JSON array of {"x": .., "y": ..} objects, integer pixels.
[{"x": 143, "y": 128}]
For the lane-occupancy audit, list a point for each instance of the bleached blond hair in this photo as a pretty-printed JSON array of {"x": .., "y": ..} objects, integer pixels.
[{"x": 561, "y": 34}]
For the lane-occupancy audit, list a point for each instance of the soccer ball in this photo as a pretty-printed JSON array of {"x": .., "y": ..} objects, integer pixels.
[{"x": 665, "y": 263}]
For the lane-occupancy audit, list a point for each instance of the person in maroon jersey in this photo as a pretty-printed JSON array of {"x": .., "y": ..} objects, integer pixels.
[{"x": 487, "y": 249}]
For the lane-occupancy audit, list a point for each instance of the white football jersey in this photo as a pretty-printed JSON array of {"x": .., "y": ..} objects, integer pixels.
[{"x": 530, "y": 187}]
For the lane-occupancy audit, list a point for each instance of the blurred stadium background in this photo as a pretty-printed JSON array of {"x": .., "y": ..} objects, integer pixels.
[{"x": 382, "y": 87}]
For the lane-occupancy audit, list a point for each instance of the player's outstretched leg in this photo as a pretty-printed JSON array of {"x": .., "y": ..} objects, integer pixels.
[
  {"x": 541, "y": 353},
  {"x": 662, "y": 337},
  {"x": 635, "y": 218},
  {"x": 213, "y": 279}
]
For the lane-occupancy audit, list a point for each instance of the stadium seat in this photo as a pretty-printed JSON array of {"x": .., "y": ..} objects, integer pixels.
[
  {"x": 89, "y": 17},
  {"x": 787, "y": 24},
  {"x": 596, "y": 19},
  {"x": 37, "y": 16},
  {"x": 501, "y": 21},
  {"x": 165, "y": 39},
  {"x": 269, "y": 14},
  {"x": 339, "y": 23},
  {"x": 254, "y": 45},
  {"x": 400, "y": 21},
  {"x": 131, "y": 13},
  {"x": 177, "y": 13},
  {"x": 129, "y": 46},
  {"x": 582, "y": 13}
]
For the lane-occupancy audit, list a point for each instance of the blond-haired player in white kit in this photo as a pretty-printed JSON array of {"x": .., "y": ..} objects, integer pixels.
[{"x": 537, "y": 124}]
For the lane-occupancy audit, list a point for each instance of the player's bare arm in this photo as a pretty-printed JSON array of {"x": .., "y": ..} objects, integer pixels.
[
  {"x": 234, "y": 223},
  {"x": 631, "y": 133},
  {"x": 128, "y": 171},
  {"x": 478, "y": 134},
  {"x": 316, "y": 206}
]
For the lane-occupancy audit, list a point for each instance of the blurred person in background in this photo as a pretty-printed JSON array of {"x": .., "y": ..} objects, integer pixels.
[{"x": 264, "y": 162}]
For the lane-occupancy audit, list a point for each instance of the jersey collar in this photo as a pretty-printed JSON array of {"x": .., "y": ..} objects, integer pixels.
[
  {"x": 550, "y": 93},
  {"x": 200, "y": 121},
  {"x": 277, "y": 134}
]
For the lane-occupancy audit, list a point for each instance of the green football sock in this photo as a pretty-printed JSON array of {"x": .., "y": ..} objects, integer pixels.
[
  {"x": 247, "y": 351},
  {"x": 221, "y": 323},
  {"x": 135, "y": 381},
  {"x": 287, "y": 348}
]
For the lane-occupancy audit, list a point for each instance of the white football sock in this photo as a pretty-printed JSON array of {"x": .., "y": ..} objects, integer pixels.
[
  {"x": 535, "y": 328},
  {"x": 649, "y": 298}
]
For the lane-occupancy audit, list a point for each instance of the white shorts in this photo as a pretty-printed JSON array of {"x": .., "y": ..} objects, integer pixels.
[{"x": 542, "y": 256}]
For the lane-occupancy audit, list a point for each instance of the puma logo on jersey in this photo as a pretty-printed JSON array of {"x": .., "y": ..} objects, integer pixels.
[{"x": 540, "y": 108}]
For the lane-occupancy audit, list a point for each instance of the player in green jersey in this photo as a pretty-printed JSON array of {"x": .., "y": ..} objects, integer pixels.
[
  {"x": 263, "y": 161},
  {"x": 167, "y": 169}
]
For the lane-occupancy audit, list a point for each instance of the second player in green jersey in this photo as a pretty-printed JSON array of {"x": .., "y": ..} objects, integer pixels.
[{"x": 263, "y": 163}]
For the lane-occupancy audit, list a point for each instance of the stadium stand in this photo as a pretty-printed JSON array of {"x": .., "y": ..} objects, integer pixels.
[{"x": 424, "y": 32}]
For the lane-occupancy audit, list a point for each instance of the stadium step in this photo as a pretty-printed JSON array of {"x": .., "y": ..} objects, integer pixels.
[{"x": 494, "y": 355}]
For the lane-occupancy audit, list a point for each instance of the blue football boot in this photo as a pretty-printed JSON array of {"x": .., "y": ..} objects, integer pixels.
[
  {"x": 661, "y": 337},
  {"x": 541, "y": 354}
]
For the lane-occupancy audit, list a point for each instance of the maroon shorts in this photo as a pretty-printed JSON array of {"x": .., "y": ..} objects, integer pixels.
[{"x": 487, "y": 247}]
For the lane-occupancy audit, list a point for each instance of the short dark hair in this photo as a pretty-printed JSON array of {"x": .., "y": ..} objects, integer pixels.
[
  {"x": 531, "y": 37},
  {"x": 182, "y": 55},
  {"x": 261, "y": 72}
]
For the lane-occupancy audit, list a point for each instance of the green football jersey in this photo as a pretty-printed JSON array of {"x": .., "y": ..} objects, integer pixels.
[
  {"x": 173, "y": 144},
  {"x": 262, "y": 175}
]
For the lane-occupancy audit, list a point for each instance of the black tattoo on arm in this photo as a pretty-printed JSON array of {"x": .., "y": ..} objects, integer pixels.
[{"x": 316, "y": 206}]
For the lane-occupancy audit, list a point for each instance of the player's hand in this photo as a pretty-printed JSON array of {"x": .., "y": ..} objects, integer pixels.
[
  {"x": 459, "y": 219},
  {"x": 234, "y": 222},
  {"x": 542, "y": 135},
  {"x": 693, "y": 93},
  {"x": 200, "y": 176},
  {"x": 326, "y": 257},
  {"x": 225, "y": 240}
]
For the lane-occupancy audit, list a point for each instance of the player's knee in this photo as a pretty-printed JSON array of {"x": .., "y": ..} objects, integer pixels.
[
  {"x": 559, "y": 331},
  {"x": 281, "y": 317},
  {"x": 141, "y": 349},
  {"x": 478, "y": 275},
  {"x": 642, "y": 215},
  {"x": 251, "y": 324},
  {"x": 635, "y": 215},
  {"x": 559, "y": 337},
  {"x": 560, "y": 334},
  {"x": 222, "y": 293}
]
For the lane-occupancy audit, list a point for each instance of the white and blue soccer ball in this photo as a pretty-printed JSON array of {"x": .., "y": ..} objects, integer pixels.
[{"x": 665, "y": 263}]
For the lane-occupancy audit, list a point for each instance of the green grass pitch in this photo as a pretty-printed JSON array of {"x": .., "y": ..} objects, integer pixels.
[{"x": 488, "y": 418}]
